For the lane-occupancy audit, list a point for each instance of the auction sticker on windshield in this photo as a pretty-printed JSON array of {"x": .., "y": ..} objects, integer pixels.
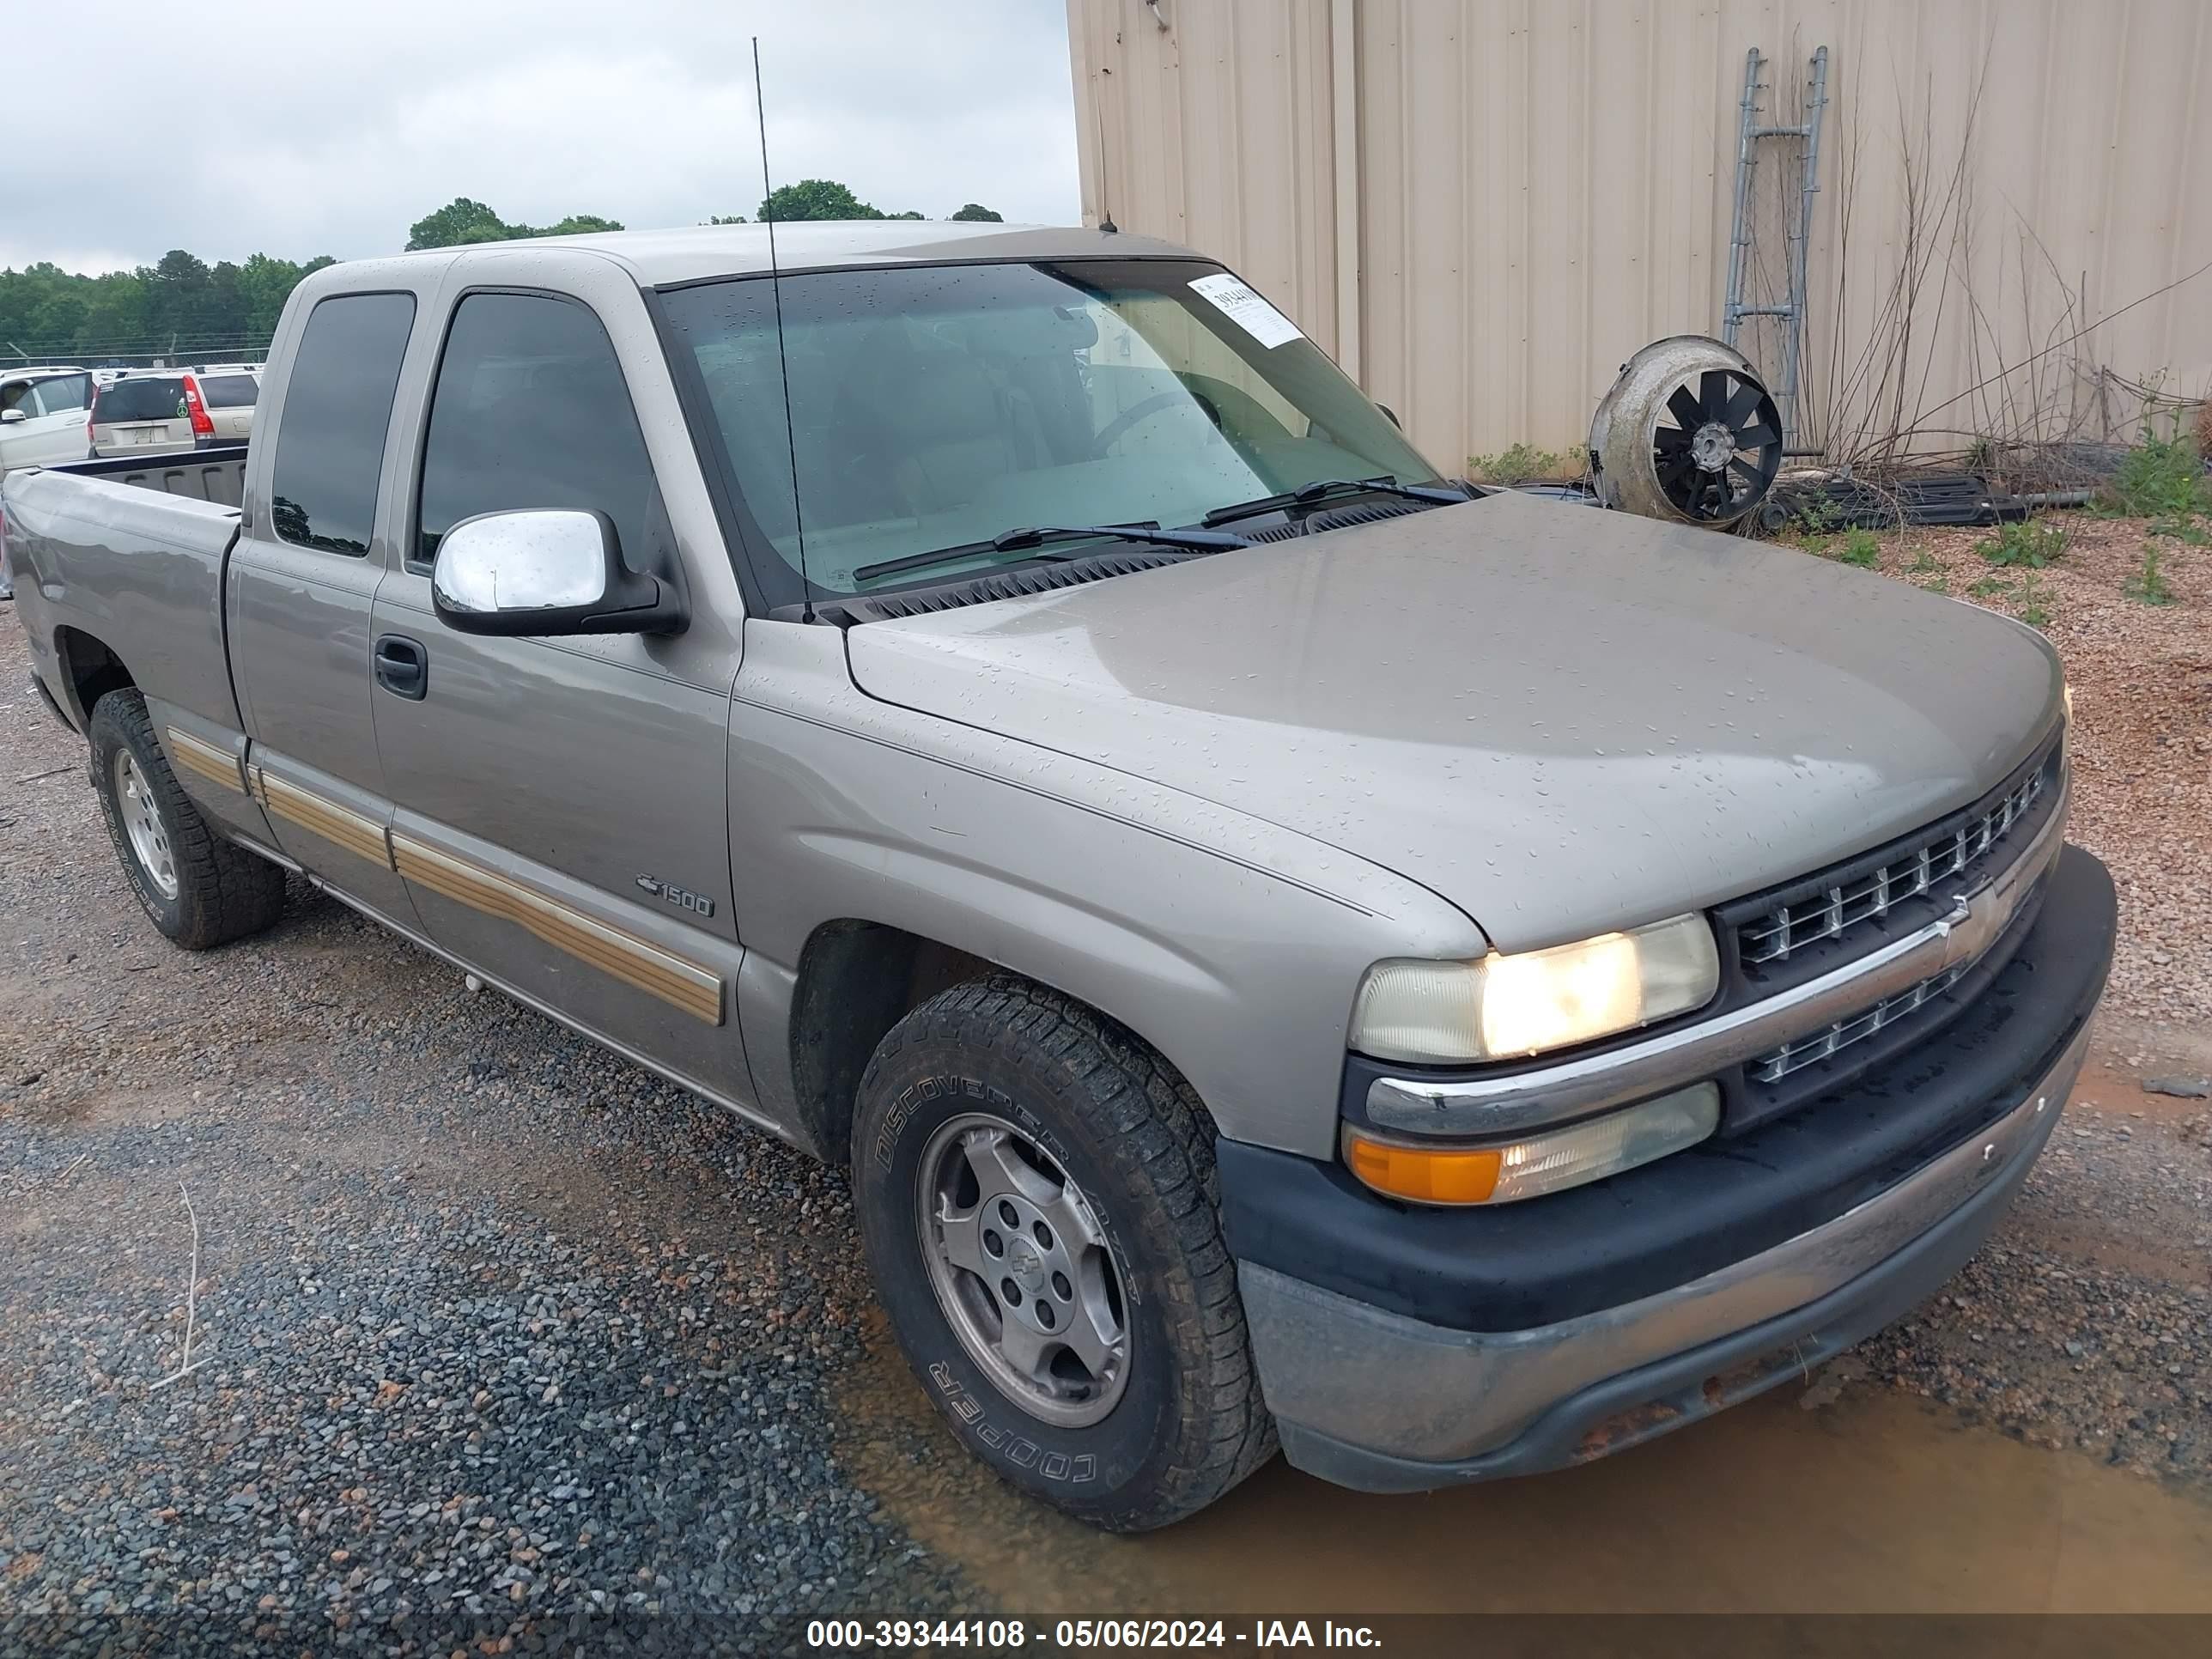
[{"x": 1238, "y": 303}]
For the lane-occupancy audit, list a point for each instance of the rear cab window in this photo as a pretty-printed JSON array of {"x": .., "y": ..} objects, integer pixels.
[
  {"x": 529, "y": 408},
  {"x": 337, "y": 408}
]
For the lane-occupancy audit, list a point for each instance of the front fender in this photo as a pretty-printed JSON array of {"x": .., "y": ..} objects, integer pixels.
[{"x": 1233, "y": 946}]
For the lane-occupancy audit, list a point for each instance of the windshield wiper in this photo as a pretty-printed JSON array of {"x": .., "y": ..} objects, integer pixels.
[
  {"x": 1015, "y": 541},
  {"x": 1307, "y": 494}
]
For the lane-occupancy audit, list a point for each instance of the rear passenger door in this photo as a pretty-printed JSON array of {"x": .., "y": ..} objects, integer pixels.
[
  {"x": 302, "y": 578},
  {"x": 560, "y": 811}
]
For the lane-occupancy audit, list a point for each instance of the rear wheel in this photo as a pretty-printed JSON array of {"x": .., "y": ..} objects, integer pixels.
[
  {"x": 199, "y": 890},
  {"x": 1036, "y": 1198}
]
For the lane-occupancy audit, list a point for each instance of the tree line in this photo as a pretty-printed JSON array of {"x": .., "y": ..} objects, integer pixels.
[{"x": 181, "y": 307}]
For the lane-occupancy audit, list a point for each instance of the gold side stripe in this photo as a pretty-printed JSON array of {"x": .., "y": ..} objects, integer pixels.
[
  {"x": 341, "y": 826},
  {"x": 684, "y": 984},
  {"x": 204, "y": 759}
]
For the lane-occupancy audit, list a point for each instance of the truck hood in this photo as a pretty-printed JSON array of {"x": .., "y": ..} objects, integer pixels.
[{"x": 1561, "y": 719}]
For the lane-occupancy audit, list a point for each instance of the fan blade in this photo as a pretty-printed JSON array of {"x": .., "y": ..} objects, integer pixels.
[
  {"x": 1743, "y": 405},
  {"x": 1683, "y": 408},
  {"x": 1744, "y": 470},
  {"x": 1712, "y": 386},
  {"x": 1756, "y": 437},
  {"x": 1667, "y": 439},
  {"x": 1673, "y": 469}
]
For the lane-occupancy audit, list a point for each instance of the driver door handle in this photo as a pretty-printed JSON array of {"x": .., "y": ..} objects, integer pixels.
[{"x": 403, "y": 667}]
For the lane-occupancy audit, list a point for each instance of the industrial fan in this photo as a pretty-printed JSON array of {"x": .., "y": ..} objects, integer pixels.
[{"x": 1688, "y": 432}]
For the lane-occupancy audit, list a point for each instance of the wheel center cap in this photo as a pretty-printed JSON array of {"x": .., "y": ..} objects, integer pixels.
[
  {"x": 1026, "y": 1266},
  {"x": 1711, "y": 445}
]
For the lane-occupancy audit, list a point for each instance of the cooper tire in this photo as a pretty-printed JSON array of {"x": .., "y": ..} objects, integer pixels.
[
  {"x": 1086, "y": 1105},
  {"x": 200, "y": 889}
]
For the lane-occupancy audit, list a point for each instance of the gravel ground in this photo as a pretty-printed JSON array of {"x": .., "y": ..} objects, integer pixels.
[
  {"x": 498, "y": 1339},
  {"x": 496, "y": 1336}
]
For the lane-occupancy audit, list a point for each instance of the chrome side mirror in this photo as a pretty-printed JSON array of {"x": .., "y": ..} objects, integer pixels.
[{"x": 544, "y": 571}]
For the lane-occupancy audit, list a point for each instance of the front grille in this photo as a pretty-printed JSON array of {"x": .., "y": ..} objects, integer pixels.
[
  {"x": 1836, "y": 912},
  {"x": 1821, "y": 1045}
]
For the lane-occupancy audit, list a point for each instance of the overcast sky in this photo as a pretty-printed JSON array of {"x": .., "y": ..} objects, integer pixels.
[{"x": 299, "y": 127}]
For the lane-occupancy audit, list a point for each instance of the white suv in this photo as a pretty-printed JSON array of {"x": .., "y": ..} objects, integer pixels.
[{"x": 42, "y": 416}]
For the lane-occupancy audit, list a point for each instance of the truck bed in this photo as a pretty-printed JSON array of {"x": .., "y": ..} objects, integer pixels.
[
  {"x": 128, "y": 551},
  {"x": 215, "y": 476}
]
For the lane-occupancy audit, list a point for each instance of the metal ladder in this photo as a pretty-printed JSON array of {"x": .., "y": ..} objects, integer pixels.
[{"x": 1792, "y": 311}]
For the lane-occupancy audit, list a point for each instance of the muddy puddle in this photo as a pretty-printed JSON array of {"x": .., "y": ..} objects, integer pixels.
[{"x": 1875, "y": 1502}]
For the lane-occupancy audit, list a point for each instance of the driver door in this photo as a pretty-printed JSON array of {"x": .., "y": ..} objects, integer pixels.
[{"x": 561, "y": 814}]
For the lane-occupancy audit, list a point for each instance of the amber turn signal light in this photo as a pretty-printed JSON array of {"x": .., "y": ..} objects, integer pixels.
[{"x": 1421, "y": 1175}]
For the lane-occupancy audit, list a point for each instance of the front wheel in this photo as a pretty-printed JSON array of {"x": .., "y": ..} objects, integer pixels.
[{"x": 1035, "y": 1191}]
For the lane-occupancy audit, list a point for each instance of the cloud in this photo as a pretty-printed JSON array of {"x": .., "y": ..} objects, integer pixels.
[{"x": 267, "y": 125}]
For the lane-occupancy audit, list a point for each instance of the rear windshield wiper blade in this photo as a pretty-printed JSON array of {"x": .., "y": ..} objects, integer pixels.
[
  {"x": 1016, "y": 541},
  {"x": 1307, "y": 494}
]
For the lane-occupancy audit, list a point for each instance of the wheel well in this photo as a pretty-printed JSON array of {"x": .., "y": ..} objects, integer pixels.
[
  {"x": 856, "y": 980},
  {"x": 89, "y": 671}
]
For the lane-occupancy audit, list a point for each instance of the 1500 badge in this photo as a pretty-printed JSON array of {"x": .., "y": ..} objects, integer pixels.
[{"x": 676, "y": 895}]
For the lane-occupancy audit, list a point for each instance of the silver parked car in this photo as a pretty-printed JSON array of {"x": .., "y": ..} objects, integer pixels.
[
  {"x": 148, "y": 413},
  {"x": 228, "y": 391},
  {"x": 1292, "y": 949}
]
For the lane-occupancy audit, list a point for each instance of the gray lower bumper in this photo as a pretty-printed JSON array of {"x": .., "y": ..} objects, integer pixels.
[{"x": 1376, "y": 1400}]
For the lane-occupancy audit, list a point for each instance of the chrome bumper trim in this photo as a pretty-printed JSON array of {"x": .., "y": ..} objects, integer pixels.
[
  {"x": 1980, "y": 913},
  {"x": 1404, "y": 1389}
]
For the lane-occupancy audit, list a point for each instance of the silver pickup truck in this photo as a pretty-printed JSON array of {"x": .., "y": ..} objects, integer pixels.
[{"x": 1293, "y": 950}]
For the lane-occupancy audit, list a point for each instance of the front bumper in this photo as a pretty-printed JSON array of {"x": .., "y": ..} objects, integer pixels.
[{"x": 1377, "y": 1336}]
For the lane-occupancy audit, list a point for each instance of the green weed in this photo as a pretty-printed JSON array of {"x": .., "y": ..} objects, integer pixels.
[
  {"x": 1519, "y": 464},
  {"x": 2149, "y": 584},
  {"x": 2029, "y": 543},
  {"x": 1859, "y": 548},
  {"x": 2162, "y": 477}
]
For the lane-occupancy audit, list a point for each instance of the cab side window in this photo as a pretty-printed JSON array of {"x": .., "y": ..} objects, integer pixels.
[
  {"x": 529, "y": 409},
  {"x": 337, "y": 407}
]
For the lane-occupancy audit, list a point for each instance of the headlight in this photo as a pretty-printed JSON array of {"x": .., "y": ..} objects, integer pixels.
[
  {"x": 1535, "y": 1163},
  {"x": 1523, "y": 1004}
]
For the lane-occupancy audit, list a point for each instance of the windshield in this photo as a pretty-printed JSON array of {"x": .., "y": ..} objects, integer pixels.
[
  {"x": 934, "y": 406},
  {"x": 150, "y": 399}
]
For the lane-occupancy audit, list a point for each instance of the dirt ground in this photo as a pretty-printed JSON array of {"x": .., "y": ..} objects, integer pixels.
[{"x": 500, "y": 1334}]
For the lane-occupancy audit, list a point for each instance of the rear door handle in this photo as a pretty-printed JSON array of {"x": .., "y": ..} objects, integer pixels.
[{"x": 403, "y": 667}]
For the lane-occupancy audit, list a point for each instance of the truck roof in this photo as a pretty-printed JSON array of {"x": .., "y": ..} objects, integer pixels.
[{"x": 660, "y": 257}]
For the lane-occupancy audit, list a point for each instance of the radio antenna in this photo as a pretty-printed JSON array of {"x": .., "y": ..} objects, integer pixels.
[{"x": 782, "y": 358}]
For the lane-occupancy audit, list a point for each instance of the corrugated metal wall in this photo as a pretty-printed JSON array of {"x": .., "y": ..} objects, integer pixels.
[{"x": 1481, "y": 207}]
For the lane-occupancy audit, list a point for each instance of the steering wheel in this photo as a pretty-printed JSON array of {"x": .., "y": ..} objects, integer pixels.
[{"x": 1147, "y": 407}]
